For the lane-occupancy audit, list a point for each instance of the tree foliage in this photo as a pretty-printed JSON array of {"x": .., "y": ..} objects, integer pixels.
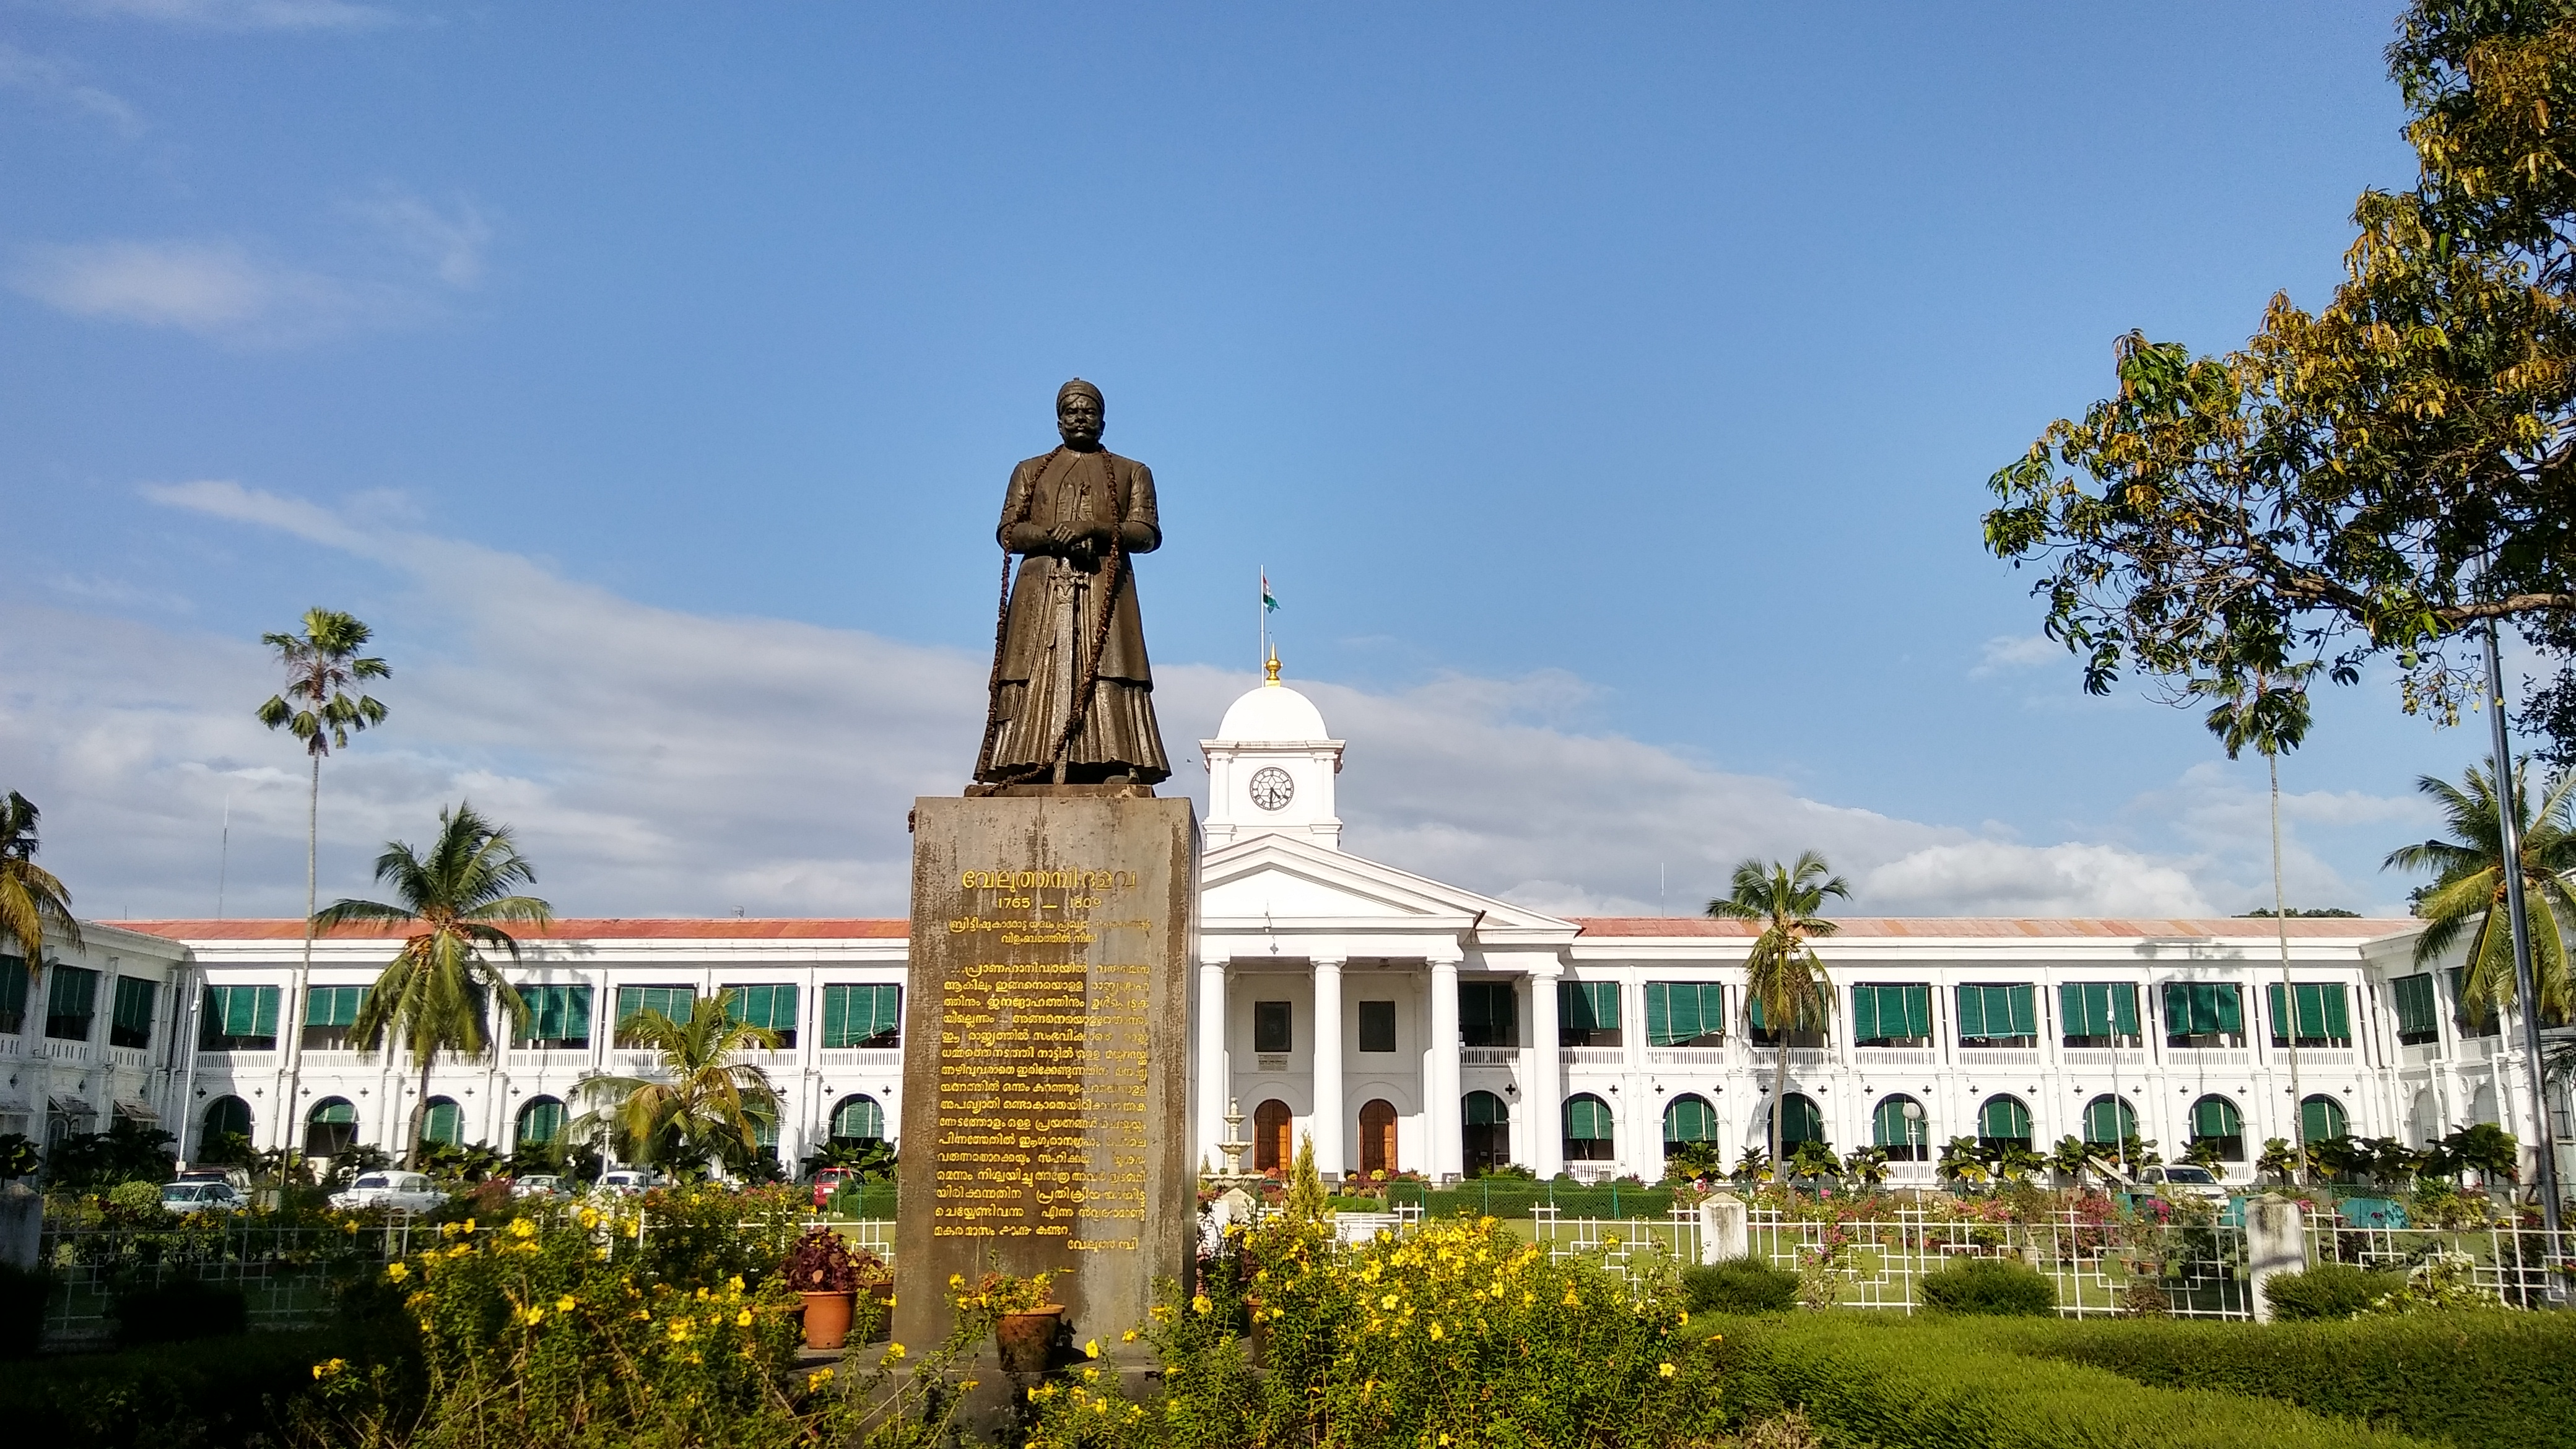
[
  {"x": 456, "y": 898},
  {"x": 2372, "y": 480},
  {"x": 702, "y": 1106},
  {"x": 1782, "y": 974},
  {"x": 33, "y": 900},
  {"x": 2467, "y": 896}
]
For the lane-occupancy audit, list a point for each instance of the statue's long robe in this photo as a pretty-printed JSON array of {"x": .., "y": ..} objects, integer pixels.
[{"x": 1042, "y": 661}]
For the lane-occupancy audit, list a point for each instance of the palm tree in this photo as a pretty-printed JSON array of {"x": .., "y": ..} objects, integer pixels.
[
  {"x": 1782, "y": 974},
  {"x": 456, "y": 897},
  {"x": 2468, "y": 896},
  {"x": 32, "y": 898},
  {"x": 320, "y": 664},
  {"x": 2266, "y": 706},
  {"x": 703, "y": 1105}
]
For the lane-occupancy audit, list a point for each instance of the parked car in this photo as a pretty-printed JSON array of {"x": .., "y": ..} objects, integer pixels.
[
  {"x": 202, "y": 1197},
  {"x": 623, "y": 1181},
  {"x": 537, "y": 1184},
  {"x": 238, "y": 1177},
  {"x": 410, "y": 1192},
  {"x": 2183, "y": 1179},
  {"x": 831, "y": 1180}
]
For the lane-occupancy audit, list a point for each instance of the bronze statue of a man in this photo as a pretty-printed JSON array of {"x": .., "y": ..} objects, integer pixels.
[{"x": 1072, "y": 694}]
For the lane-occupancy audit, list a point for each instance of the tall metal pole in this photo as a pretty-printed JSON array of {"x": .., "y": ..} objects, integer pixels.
[
  {"x": 2526, "y": 1000},
  {"x": 2289, "y": 992}
]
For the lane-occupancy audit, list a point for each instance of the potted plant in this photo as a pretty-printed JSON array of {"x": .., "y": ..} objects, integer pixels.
[
  {"x": 821, "y": 1270},
  {"x": 1024, "y": 1313}
]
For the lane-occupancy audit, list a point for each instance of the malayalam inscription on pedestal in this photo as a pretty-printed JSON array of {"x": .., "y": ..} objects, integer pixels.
[{"x": 1045, "y": 1053}]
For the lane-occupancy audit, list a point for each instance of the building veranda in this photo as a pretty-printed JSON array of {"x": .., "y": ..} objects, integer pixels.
[{"x": 1406, "y": 1024}]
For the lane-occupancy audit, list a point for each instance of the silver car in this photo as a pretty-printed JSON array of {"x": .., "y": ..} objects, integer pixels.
[
  {"x": 2183, "y": 1179},
  {"x": 201, "y": 1197},
  {"x": 409, "y": 1192}
]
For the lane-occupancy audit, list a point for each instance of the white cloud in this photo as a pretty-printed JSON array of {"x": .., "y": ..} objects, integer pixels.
[
  {"x": 420, "y": 255},
  {"x": 59, "y": 83},
  {"x": 657, "y": 762},
  {"x": 244, "y": 14},
  {"x": 2006, "y": 652}
]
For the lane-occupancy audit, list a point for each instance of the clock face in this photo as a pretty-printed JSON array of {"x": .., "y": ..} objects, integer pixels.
[{"x": 1272, "y": 789}]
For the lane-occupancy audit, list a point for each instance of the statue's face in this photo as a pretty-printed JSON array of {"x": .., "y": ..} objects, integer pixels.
[{"x": 1078, "y": 419}]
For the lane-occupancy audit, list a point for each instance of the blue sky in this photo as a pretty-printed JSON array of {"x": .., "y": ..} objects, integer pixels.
[{"x": 1609, "y": 394}]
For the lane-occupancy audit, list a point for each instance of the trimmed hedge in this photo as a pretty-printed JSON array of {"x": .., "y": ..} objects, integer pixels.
[
  {"x": 2001, "y": 1287},
  {"x": 2463, "y": 1378},
  {"x": 1512, "y": 1197},
  {"x": 210, "y": 1394},
  {"x": 1939, "y": 1384},
  {"x": 2328, "y": 1290},
  {"x": 1739, "y": 1285}
]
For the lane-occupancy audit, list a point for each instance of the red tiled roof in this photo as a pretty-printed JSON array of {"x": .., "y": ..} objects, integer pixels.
[
  {"x": 719, "y": 928},
  {"x": 1953, "y": 927}
]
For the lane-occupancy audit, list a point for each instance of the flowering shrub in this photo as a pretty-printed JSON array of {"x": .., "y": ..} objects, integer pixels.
[
  {"x": 995, "y": 1294},
  {"x": 1459, "y": 1335},
  {"x": 581, "y": 1332},
  {"x": 821, "y": 1263}
]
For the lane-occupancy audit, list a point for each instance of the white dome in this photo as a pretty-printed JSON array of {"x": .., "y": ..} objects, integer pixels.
[{"x": 1272, "y": 712}]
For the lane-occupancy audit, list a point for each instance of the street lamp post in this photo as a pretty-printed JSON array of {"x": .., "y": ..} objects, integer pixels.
[{"x": 2526, "y": 1000}]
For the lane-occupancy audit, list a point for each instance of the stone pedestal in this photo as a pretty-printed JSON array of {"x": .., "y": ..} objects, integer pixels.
[
  {"x": 1046, "y": 1053},
  {"x": 2275, "y": 1242},
  {"x": 1724, "y": 1230}
]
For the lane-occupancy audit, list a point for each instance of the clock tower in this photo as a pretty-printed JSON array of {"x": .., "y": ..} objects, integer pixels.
[{"x": 1271, "y": 768}]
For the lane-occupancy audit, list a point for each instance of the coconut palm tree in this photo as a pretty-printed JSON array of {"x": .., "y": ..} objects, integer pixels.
[
  {"x": 32, "y": 899},
  {"x": 457, "y": 898},
  {"x": 2267, "y": 707},
  {"x": 1782, "y": 974},
  {"x": 2467, "y": 896},
  {"x": 320, "y": 664},
  {"x": 702, "y": 1105}
]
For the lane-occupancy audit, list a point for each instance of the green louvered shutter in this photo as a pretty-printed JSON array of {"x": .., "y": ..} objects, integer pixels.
[{"x": 1865, "y": 1014}]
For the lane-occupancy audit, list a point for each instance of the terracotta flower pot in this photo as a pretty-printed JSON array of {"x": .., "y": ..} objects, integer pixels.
[
  {"x": 1027, "y": 1339},
  {"x": 827, "y": 1318}
]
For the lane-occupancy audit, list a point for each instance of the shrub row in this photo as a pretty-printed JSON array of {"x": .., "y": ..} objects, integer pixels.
[
  {"x": 1995, "y": 1287},
  {"x": 204, "y": 1395},
  {"x": 1948, "y": 1384},
  {"x": 2464, "y": 1378},
  {"x": 1739, "y": 1285},
  {"x": 1508, "y": 1197},
  {"x": 2328, "y": 1290}
]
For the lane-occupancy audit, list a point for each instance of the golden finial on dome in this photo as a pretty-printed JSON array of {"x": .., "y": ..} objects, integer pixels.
[{"x": 1273, "y": 667}]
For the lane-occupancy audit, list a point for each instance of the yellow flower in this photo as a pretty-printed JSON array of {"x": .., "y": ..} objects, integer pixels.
[
  {"x": 817, "y": 1379},
  {"x": 1128, "y": 1337},
  {"x": 894, "y": 1351},
  {"x": 1091, "y": 1376},
  {"x": 590, "y": 1217},
  {"x": 743, "y": 1319},
  {"x": 522, "y": 1228},
  {"x": 968, "y": 1383},
  {"x": 1387, "y": 1302},
  {"x": 397, "y": 1272},
  {"x": 1570, "y": 1300},
  {"x": 536, "y": 1316},
  {"x": 1091, "y": 1349},
  {"x": 1444, "y": 1438},
  {"x": 733, "y": 1285},
  {"x": 329, "y": 1368},
  {"x": 956, "y": 1280},
  {"x": 1665, "y": 1369},
  {"x": 1436, "y": 1334},
  {"x": 1685, "y": 1315},
  {"x": 1199, "y": 1303},
  {"x": 469, "y": 1225}
]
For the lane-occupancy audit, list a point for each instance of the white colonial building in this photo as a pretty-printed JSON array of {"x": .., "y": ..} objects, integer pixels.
[{"x": 1406, "y": 1023}]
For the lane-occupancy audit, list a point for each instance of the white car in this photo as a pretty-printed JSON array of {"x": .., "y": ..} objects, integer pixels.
[
  {"x": 201, "y": 1197},
  {"x": 537, "y": 1185},
  {"x": 623, "y": 1181},
  {"x": 2185, "y": 1180},
  {"x": 409, "y": 1192}
]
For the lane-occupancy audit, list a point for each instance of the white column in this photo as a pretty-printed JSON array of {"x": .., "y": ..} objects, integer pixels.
[
  {"x": 1212, "y": 1082},
  {"x": 1326, "y": 1059},
  {"x": 1547, "y": 1076},
  {"x": 1440, "y": 1106}
]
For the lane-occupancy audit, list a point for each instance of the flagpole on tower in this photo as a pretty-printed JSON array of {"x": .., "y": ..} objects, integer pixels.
[{"x": 1269, "y": 649}]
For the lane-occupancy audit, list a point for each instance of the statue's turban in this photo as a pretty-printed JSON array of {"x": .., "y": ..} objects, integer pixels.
[{"x": 1079, "y": 386}]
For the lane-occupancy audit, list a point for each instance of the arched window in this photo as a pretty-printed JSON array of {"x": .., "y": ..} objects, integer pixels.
[
  {"x": 2215, "y": 1119},
  {"x": 1803, "y": 1121},
  {"x": 2109, "y": 1122},
  {"x": 444, "y": 1122},
  {"x": 1688, "y": 1119},
  {"x": 1901, "y": 1128},
  {"x": 1271, "y": 1124},
  {"x": 225, "y": 1117},
  {"x": 1487, "y": 1138},
  {"x": 1377, "y": 1136},
  {"x": 2321, "y": 1119},
  {"x": 857, "y": 1119},
  {"x": 1588, "y": 1135},
  {"x": 331, "y": 1128},
  {"x": 2004, "y": 1119},
  {"x": 540, "y": 1122}
]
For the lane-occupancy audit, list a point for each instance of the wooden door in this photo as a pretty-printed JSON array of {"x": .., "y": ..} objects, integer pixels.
[{"x": 1377, "y": 1137}]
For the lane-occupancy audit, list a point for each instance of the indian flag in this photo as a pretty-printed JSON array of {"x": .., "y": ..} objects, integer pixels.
[{"x": 1268, "y": 604}]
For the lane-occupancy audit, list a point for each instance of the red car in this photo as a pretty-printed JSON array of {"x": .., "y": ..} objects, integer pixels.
[{"x": 829, "y": 1181}]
